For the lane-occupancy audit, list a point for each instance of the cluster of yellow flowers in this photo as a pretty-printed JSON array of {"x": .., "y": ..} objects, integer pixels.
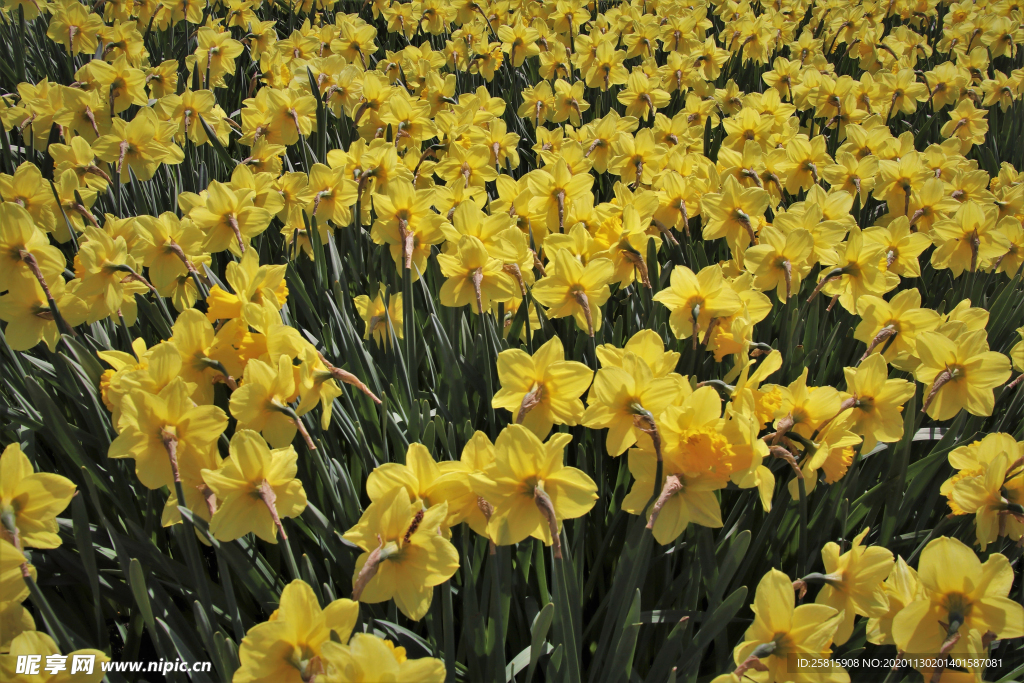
[
  {"x": 161, "y": 399},
  {"x": 433, "y": 175},
  {"x": 302, "y": 641},
  {"x": 29, "y": 504},
  {"x": 509, "y": 490},
  {"x": 988, "y": 483},
  {"x": 951, "y": 587}
]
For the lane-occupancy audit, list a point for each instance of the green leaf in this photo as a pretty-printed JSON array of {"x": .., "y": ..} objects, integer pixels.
[
  {"x": 733, "y": 558},
  {"x": 622, "y": 663},
  {"x": 87, "y": 360},
  {"x": 712, "y": 625},
  {"x": 229, "y": 163},
  {"x": 137, "y": 582},
  {"x": 538, "y": 635},
  {"x": 87, "y": 556}
]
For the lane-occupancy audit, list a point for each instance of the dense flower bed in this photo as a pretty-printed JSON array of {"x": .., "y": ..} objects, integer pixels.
[{"x": 482, "y": 341}]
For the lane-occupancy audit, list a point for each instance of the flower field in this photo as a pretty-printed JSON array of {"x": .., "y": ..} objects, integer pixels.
[{"x": 512, "y": 340}]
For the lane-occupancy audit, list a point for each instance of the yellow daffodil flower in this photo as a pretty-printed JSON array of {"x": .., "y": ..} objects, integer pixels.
[
  {"x": 474, "y": 277},
  {"x": 782, "y": 629},
  {"x": 530, "y": 488},
  {"x": 627, "y": 400},
  {"x": 891, "y": 328},
  {"x": 542, "y": 390},
  {"x": 853, "y": 582},
  {"x": 427, "y": 482},
  {"x": 406, "y": 223},
  {"x": 959, "y": 374},
  {"x": 780, "y": 262},
  {"x": 256, "y": 487},
  {"x": 163, "y": 429},
  {"x": 736, "y": 214},
  {"x": 404, "y": 556},
  {"x": 261, "y": 403},
  {"x": 30, "y": 501},
  {"x": 684, "y": 497},
  {"x": 380, "y": 320},
  {"x": 230, "y": 219},
  {"x": 367, "y": 657},
  {"x": 255, "y": 285},
  {"x": 901, "y": 588},
  {"x": 696, "y": 300},
  {"x": 968, "y": 240},
  {"x": 959, "y": 593},
  {"x": 570, "y": 288},
  {"x": 990, "y": 496},
  {"x": 648, "y": 346},
  {"x": 289, "y": 647},
  {"x": 877, "y": 401}
]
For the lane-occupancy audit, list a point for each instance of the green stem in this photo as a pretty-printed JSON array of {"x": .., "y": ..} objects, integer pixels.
[
  {"x": 188, "y": 540},
  {"x": 542, "y": 571},
  {"x": 498, "y": 653},
  {"x": 225, "y": 579},
  {"x": 448, "y": 623},
  {"x": 53, "y": 624},
  {"x": 409, "y": 325},
  {"x": 802, "y": 559},
  {"x": 289, "y": 558},
  {"x": 529, "y": 332},
  {"x": 571, "y": 652},
  {"x": 19, "y": 54}
]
